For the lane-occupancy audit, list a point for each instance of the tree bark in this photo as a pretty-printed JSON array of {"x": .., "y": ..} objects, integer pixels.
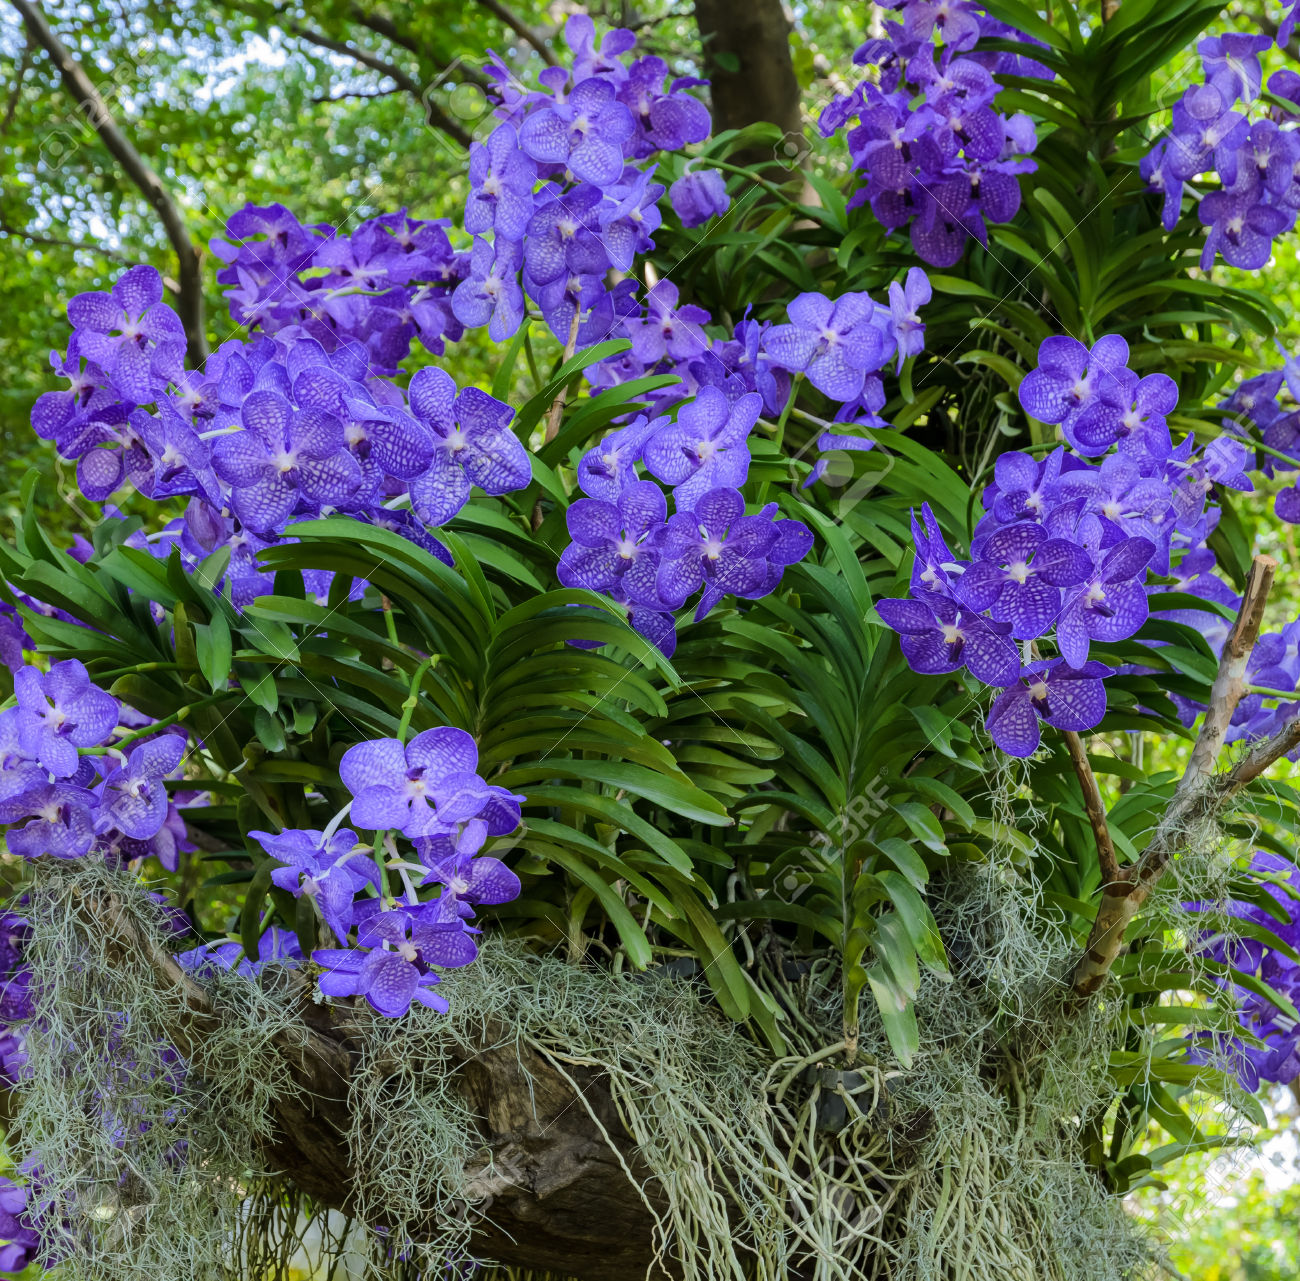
[
  {"x": 1200, "y": 793},
  {"x": 551, "y": 1191},
  {"x": 751, "y": 74},
  {"x": 91, "y": 104}
]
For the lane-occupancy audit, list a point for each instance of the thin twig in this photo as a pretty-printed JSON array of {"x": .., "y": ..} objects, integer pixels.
[
  {"x": 433, "y": 113},
  {"x": 1096, "y": 811},
  {"x": 16, "y": 92},
  {"x": 1199, "y": 794},
  {"x": 358, "y": 93},
  {"x": 521, "y": 29},
  {"x": 57, "y": 242}
]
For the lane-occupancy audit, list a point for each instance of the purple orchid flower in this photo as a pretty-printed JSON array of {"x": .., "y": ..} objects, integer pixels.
[
  {"x": 629, "y": 217},
  {"x": 1052, "y": 691},
  {"x": 118, "y": 330},
  {"x": 1019, "y": 576},
  {"x": 133, "y": 796},
  {"x": 501, "y": 179},
  {"x": 667, "y": 330},
  {"x": 705, "y": 448},
  {"x": 491, "y": 295},
  {"x": 1242, "y": 228},
  {"x": 404, "y": 943},
  {"x": 663, "y": 121},
  {"x": 698, "y": 195},
  {"x": 836, "y": 343},
  {"x": 1110, "y": 604},
  {"x": 584, "y": 134},
  {"x": 720, "y": 548},
  {"x": 1070, "y": 377},
  {"x": 609, "y": 467},
  {"x": 60, "y": 711},
  {"x": 62, "y": 824},
  {"x": 905, "y": 303},
  {"x": 425, "y": 787},
  {"x": 563, "y": 237},
  {"x": 616, "y": 543},
  {"x": 330, "y": 869},
  {"x": 936, "y": 635},
  {"x": 468, "y": 878},
  {"x": 472, "y": 445},
  {"x": 284, "y": 456}
]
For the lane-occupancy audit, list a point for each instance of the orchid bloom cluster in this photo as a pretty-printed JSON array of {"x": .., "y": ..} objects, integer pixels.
[
  {"x": 387, "y": 282},
  {"x": 561, "y": 196},
  {"x": 1064, "y": 550},
  {"x": 1257, "y": 162},
  {"x": 1256, "y": 403},
  {"x": 272, "y": 430},
  {"x": 426, "y": 791},
  {"x": 934, "y": 151},
  {"x": 626, "y": 546},
  {"x": 75, "y": 781},
  {"x": 1273, "y": 1051}
]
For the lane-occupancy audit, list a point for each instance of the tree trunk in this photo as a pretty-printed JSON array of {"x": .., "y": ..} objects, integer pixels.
[
  {"x": 90, "y": 102},
  {"x": 550, "y": 1191},
  {"x": 751, "y": 74}
]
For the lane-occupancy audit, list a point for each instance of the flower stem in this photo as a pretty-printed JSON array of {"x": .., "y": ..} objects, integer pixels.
[
  {"x": 173, "y": 719},
  {"x": 1290, "y": 695},
  {"x": 412, "y": 698}
]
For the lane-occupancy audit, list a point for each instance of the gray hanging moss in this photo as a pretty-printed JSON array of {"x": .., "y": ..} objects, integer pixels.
[
  {"x": 961, "y": 1167},
  {"x": 147, "y": 1157}
]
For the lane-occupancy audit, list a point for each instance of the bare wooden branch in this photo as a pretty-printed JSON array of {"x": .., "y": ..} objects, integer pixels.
[
  {"x": 1111, "y": 876},
  {"x": 11, "y": 107},
  {"x": 556, "y": 411},
  {"x": 1199, "y": 794},
  {"x": 1261, "y": 756},
  {"x": 58, "y": 242},
  {"x": 1230, "y": 681},
  {"x": 521, "y": 29},
  {"x": 434, "y": 115},
  {"x": 557, "y": 1185},
  {"x": 357, "y": 93},
  {"x": 96, "y": 111},
  {"x": 384, "y": 26}
]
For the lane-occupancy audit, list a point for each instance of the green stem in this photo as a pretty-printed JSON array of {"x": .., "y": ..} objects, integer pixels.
[
  {"x": 1290, "y": 695},
  {"x": 1293, "y": 464},
  {"x": 412, "y": 698},
  {"x": 389, "y": 621},
  {"x": 532, "y": 361},
  {"x": 132, "y": 670},
  {"x": 788, "y": 410},
  {"x": 753, "y": 177},
  {"x": 173, "y": 719}
]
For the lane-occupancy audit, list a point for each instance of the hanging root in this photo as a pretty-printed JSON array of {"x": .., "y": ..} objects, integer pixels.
[
  {"x": 963, "y": 1167},
  {"x": 144, "y": 1157}
]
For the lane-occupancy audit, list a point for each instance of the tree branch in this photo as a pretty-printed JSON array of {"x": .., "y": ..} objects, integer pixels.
[
  {"x": 433, "y": 114},
  {"x": 1093, "y": 807},
  {"x": 16, "y": 92},
  {"x": 521, "y": 29},
  {"x": 557, "y": 1186},
  {"x": 1199, "y": 794},
  {"x": 56, "y": 242},
  {"x": 91, "y": 104},
  {"x": 357, "y": 93},
  {"x": 386, "y": 27}
]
